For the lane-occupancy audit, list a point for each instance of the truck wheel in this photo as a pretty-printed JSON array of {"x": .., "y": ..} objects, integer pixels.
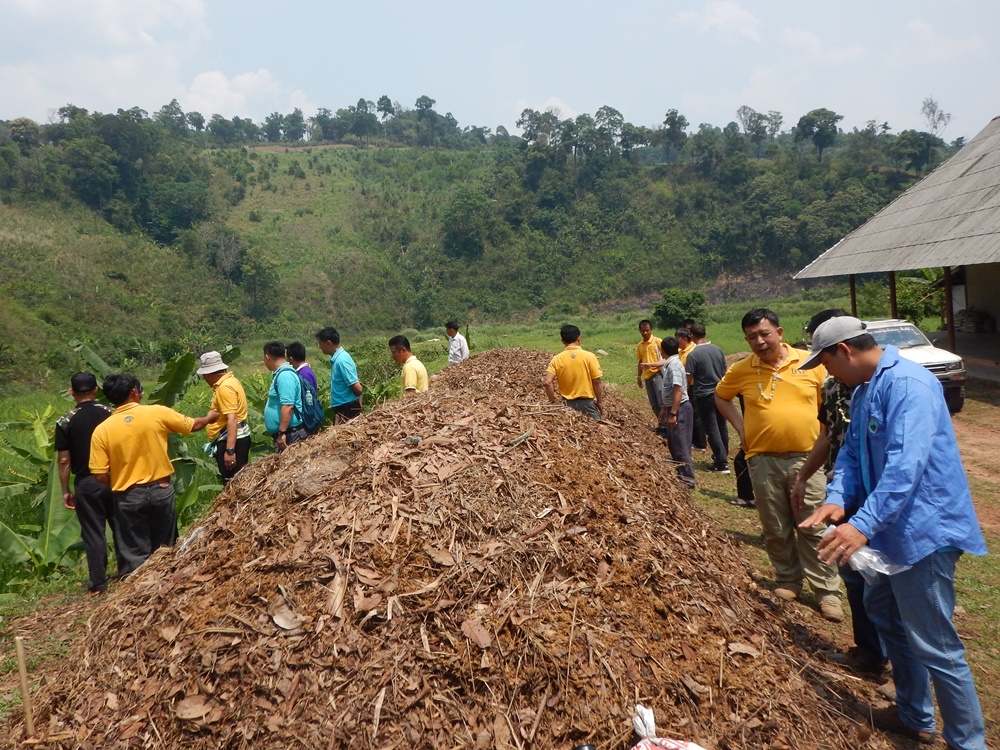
[{"x": 955, "y": 398}]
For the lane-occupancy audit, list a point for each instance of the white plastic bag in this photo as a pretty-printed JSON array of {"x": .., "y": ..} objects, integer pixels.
[
  {"x": 870, "y": 562},
  {"x": 645, "y": 726}
]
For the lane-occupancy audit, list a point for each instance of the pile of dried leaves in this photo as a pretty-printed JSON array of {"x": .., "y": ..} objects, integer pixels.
[{"x": 474, "y": 568}]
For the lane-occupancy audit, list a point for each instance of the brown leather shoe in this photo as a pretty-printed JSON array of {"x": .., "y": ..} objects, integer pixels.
[
  {"x": 829, "y": 607},
  {"x": 888, "y": 720},
  {"x": 856, "y": 659}
]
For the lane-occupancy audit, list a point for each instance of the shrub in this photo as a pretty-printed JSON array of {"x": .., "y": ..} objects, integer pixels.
[{"x": 678, "y": 304}]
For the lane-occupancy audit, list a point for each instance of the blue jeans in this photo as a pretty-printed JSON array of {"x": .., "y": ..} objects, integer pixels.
[
  {"x": 912, "y": 611},
  {"x": 865, "y": 632}
]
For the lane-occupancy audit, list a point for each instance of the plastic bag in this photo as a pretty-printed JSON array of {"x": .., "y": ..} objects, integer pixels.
[
  {"x": 870, "y": 562},
  {"x": 645, "y": 726}
]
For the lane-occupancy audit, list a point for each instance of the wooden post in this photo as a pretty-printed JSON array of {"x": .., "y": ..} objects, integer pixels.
[
  {"x": 854, "y": 296},
  {"x": 893, "y": 307},
  {"x": 22, "y": 670},
  {"x": 949, "y": 314}
]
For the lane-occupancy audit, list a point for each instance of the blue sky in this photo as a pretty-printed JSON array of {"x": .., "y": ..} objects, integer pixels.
[{"x": 485, "y": 62}]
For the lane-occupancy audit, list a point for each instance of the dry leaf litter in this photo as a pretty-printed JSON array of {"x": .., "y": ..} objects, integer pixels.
[{"x": 474, "y": 568}]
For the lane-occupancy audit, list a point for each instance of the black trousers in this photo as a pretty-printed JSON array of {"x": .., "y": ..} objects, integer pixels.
[
  {"x": 242, "y": 458},
  {"x": 716, "y": 430},
  {"x": 348, "y": 411},
  {"x": 744, "y": 487},
  {"x": 95, "y": 510},
  {"x": 146, "y": 520}
]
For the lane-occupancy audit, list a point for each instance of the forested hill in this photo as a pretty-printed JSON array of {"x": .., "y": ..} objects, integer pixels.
[{"x": 146, "y": 235}]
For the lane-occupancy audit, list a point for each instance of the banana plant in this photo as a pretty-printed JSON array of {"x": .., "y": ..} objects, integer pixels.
[{"x": 40, "y": 551}]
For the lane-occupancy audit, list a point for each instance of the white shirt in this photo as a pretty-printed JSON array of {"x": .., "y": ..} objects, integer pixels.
[{"x": 458, "y": 349}]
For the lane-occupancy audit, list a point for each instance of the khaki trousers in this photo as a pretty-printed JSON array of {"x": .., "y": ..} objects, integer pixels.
[{"x": 792, "y": 550}]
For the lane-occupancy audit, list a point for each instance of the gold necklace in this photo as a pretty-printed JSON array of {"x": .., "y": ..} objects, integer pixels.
[{"x": 760, "y": 386}]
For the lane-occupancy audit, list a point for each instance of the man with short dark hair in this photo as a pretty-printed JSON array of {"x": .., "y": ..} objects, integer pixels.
[
  {"x": 92, "y": 500},
  {"x": 676, "y": 411},
  {"x": 345, "y": 386},
  {"x": 834, "y": 416},
  {"x": 228, "y": 433},
  {"x": 578, "y": 375},
  {"x": 647, "y": 368},
  {"x": 283, "y": 410},
  {"x": 458, "y": 347},
  {"x": 706, "y": 364},
  {"x": 901, "y": 473},
  {"x": 779, "y": 430},
  {"x": 413, "y": 377},
  {"x": 297, "y": 359},
  {"x": 128, "y": 450},
  {"x": 686, "y": 343}
]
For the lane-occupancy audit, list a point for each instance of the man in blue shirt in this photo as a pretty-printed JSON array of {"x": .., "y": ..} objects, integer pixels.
[
  {"x": 283, "y": 410},
  {"x": 900, "y": 469},
  {"x": 345, "y": 387}
]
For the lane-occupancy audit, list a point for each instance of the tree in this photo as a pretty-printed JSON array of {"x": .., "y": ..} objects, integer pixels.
[
  {"x": 820, "y": 127},
  {"x": 25, "y": 133},
  {"x": 196, "y": 120},
  {"x": 774, "y": 120},
  {"x": 273, "y": 125},
  {"x": 294, "y": 125},
  {"x": 385, "y": 108},
  {"x": 92, "y": 173},
  {"x": 171, "y": 117},
  {"x": 754, "y": 125},
  {"x": 914, "y": 149},
  {"x": 427, "y": 116},
  {"x": 674, "y": 133},
  {"x": 937, "y": 118}
]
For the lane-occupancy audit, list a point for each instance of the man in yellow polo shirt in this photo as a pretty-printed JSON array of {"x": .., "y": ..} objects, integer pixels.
[
  {"x": 228, "y": 434},
  {"x": 413, "y": 378},
  {"x": 578, "y": 374},
  {"x": 648, "y": 364},
  {"x": 128, "y": 450},
  {"x": 777, "y": 431}
]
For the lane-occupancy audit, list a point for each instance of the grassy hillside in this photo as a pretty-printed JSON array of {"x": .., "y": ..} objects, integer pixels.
[{"x": 67, "y": 274}]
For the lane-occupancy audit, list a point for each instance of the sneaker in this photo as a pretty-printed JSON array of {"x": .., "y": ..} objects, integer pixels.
[
  {"x": 887, "y": 690},
  {"x": 829, "y": 607},
  {"x": 786, "y": 594},
  {"x": 856, "y": 659},
  {"x": 719, "y": 469},
  {"x": 888, "y": 720}
]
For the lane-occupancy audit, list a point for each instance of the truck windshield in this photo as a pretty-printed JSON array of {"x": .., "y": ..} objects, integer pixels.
[{"x": 903, "y": 337}]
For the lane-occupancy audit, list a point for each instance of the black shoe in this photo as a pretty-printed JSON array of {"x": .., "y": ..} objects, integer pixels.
[
  {"x": 719, "y": 469},
  {"x": 856, "y": 659}
]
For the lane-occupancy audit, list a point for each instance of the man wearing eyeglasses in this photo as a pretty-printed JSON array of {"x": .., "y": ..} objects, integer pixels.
[{"x": 129, "y": 451}]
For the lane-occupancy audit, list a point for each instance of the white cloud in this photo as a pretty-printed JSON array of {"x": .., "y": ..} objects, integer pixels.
[
  {"x": 922, "y": 42},
  {"x": 727, "y": 18},
  {"x": 255, "y": 94},
  {"x": 810, "y": 44}
]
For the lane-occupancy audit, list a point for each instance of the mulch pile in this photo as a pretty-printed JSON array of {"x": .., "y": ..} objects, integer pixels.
[{"x": 473, "y": 568}]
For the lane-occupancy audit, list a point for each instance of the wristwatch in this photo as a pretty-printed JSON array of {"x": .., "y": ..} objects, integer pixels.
[
  {"x": 230, "y": 451},
  {"x": 282, "y": 432}
]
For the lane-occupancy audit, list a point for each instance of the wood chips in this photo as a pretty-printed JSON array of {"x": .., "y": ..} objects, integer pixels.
[{"x": 474, "y": 568}]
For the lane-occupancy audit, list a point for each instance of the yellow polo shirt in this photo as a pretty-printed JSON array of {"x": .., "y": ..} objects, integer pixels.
[
  {"x": 414, "y": 375},
  {"x": 575, "y": 370},
  {"x": 131, "y": 444},
  {"x": 683, "y": 353},
  {"x": 228, "y": 398},
  {"x": 780, "y": 406},
  {"x": 648, "y": 351}
]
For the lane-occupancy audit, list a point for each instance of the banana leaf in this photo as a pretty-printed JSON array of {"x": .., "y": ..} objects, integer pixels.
[
  {"x": 101, "y": 368},
  {"x": 176, "y": 378},
  {"x": 61, "y": 530},
  {"x": 13, "y": 489}
]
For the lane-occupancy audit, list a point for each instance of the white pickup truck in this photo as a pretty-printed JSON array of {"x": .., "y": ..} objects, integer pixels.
[{"x": 915, "y": 346}]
